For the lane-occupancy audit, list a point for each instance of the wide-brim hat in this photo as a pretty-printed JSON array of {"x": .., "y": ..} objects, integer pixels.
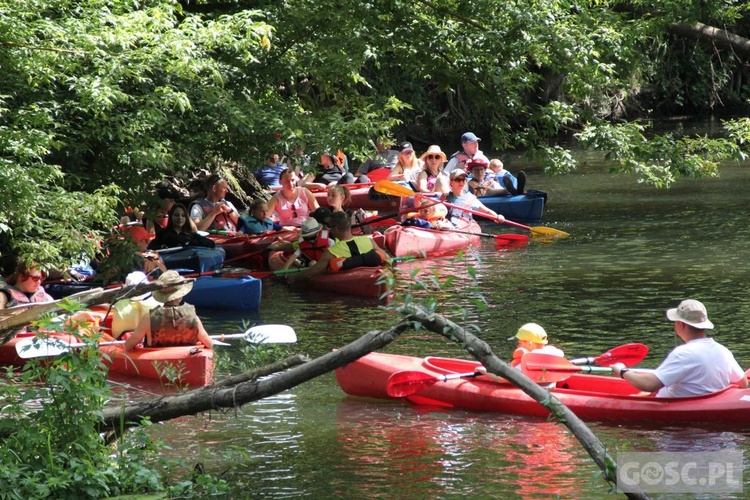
[
  {"x": 691, "y": 312},
  {"x": 137, "y": 278},
  {"x": 434, "y": 150},
  {"x": 175, "y": 287}
]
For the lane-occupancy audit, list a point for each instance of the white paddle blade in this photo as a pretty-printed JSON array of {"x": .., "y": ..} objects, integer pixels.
[
  {"x": 263, "y": 334},
  {"x": 271, "y": 334},
  {"x": 42, "y": 348}
]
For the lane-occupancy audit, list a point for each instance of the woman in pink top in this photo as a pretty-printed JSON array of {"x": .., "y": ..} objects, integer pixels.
[{"x": 292, "y": 204}]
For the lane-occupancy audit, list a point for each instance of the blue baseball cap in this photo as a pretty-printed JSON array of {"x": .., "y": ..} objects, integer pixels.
[{"x": 469, "y": 137}]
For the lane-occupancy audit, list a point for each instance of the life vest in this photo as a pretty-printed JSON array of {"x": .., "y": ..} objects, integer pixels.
[
  {"x": 356, "y": 252},
  {"x": 221, "y": 221},
  {"x": 17, "y": 297},
  {"x": 314, "y": 250},
  {"x": 174, "y": 326}
]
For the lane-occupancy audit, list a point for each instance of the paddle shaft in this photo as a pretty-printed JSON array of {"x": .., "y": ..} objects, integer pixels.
[{"x": 400, "y": 212}]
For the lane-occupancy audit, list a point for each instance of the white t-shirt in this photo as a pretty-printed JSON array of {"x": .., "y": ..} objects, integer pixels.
[{"x": 701, "y": 366}]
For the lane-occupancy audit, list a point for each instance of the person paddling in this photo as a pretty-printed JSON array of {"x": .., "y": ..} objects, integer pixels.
[{"x": 699, "y": 366}]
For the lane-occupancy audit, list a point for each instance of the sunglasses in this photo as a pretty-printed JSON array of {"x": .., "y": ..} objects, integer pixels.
[
  {"x": 460, "y": 179},
  {"x": 36, "y": 278},
  {"x": 434, "y": 157}
]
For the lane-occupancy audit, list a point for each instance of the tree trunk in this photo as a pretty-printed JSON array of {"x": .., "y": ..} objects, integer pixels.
[{"x": 720, "y": 37}]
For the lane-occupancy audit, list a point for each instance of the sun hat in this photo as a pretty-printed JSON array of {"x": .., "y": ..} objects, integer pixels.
[
  {"x": 310, "y": 227},
  {"x": 479, "y": 161},
  {"x": 458, "y": 172},
  {"x": 434, "y": 150},
  {"x": 531, "y": 332},
  {"x": 691, "y": 312},
  {"x": 175, "y": 286},
  {"x": 469, "y": 137},
  {"x": 137, "y": 278}
]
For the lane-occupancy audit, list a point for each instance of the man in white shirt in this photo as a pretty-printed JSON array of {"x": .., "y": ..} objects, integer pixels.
[
  {"x": 470, "y": 146},
  {"x": 700, "y": 366}
]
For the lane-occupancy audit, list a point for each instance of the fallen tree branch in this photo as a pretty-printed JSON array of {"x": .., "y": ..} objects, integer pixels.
[
  {"x": 482, "y": 352},
  {"x": 227, "y": 395}
]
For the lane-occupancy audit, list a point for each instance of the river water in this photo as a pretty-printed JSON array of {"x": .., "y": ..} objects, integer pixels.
[{"x": 634, "y": 251}]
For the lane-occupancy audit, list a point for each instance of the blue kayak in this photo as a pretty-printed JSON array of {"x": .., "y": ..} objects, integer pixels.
[
  {"x": 241, "y": 293},
  {"x": 520, "y": 208},
  {"x": 194, "y": 259}
]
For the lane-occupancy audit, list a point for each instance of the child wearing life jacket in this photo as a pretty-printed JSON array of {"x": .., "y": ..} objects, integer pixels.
[
  {"x": 532, "y": 337},
  {"x": 313, "y": 240},
  {"x": 348, "y": 252}
]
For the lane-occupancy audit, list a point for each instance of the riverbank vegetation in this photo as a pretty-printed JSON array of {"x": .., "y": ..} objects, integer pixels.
[{"x": 102, "y": 98}]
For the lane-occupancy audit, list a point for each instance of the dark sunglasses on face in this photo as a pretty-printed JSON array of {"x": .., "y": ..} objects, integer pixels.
[
  {"x": 460, "y": 179},
  {"x": 36, "y": 278},
  {"x": 433, "y": 157}
]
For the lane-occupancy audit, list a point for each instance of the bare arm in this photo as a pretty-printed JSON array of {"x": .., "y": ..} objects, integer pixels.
[
  {"x": 203, "y": 336},
  {"x": 422, "y": 182},
  {"x": 312, "y": 202},
  {"x": 318, "y": 268},
  {"x": 645, "y": 381},
  {"x": 143, "y": 328}
]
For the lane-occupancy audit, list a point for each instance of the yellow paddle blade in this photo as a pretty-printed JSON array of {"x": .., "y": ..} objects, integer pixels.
[
  {"x": 548, "y": 232},
  {"x": 393, "y": 189}
]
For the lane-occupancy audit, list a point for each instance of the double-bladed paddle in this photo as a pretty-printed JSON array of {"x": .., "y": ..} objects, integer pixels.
[
  {"x": 406, "y": 383},
  {"x": 394, "y": 189},
  {"x": 627, "y": 354},
  {"x": 261, "y": 334},
  {"x": 547, "y": 368}
]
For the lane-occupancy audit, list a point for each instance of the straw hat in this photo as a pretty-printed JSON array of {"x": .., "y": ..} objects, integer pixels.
[
  {"x": 175, "y": 287},
  {"x": 432, "y": 150}
]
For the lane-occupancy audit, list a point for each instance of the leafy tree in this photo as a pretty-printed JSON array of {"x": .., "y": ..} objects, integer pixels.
[{"x": 100, "y": 99}]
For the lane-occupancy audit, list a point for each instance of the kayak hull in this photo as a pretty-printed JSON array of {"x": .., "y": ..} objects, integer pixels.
[
  {"x": 401, "y": 241},
  {"x": 182, "y": 365},
  {"x": 194, "y": 259},
  {"x": 520, "y": 208},
  {"x": 590, "y": 397},
  {"x": 360, "y": 282},
  {"x": 241, "y": 293},
  {"x": 365, "y": 198}
]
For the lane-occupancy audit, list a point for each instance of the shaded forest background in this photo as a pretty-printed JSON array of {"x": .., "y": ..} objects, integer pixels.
[{"x": 102, "y": 99}]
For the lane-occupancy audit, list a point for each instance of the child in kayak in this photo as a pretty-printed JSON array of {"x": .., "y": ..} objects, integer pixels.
[
  {"x": 313, "y": 241},
  {"x": 258, "y": 221},
  {"x": 532, "y": 337},
  {"x": 349, "y": 251}
]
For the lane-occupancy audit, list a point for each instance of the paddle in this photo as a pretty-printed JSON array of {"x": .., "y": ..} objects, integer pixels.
[
  {"x": 394, "y": 189},
  {"x": 501, "y": 239},
  {"x": 627, "y": 354},
  {"x": 262, "y": 334},
  {"x": 548, "y": 368},
  {"x": 401, "y": 212},
  {"x": 406, "y": 383}
]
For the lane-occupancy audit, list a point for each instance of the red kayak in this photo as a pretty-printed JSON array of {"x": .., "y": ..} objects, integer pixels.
[
  {"x": 591, "y": 397},
  {"x": 360, "y": 281},
  {"x": 246, "y": 250},
  {"x": 191, "y": 366},
  {"x": 409, "y": 240}
]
